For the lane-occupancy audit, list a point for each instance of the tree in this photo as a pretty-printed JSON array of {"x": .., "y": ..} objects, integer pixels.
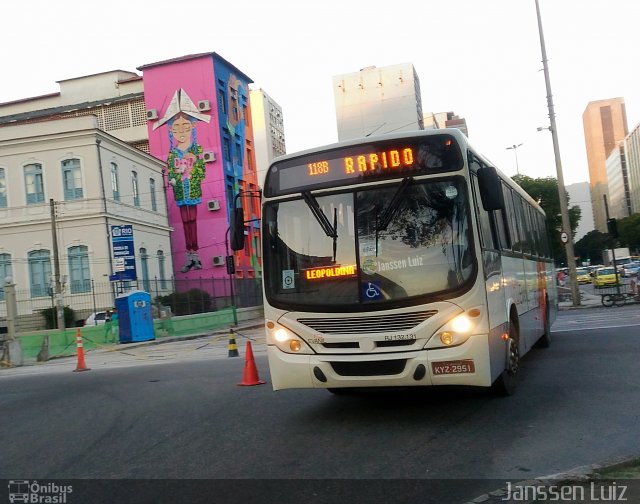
[
  {"x": 629, "y": 232},
  {"x": 545, "y": 192},
  {"x": 591, "y": 245}
]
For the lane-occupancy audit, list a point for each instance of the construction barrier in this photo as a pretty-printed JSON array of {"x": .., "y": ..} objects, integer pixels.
[{"x": 233, "y": 347}]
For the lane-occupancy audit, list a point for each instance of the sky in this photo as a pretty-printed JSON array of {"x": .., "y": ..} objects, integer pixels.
[{"x": 478, "y": 59}]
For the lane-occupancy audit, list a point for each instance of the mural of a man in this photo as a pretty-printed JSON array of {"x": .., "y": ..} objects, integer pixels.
[{"x": 185, "y": 168}]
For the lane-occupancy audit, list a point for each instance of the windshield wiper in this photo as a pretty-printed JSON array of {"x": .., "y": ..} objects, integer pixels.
[
  {"x": 330, "y": 230},
  {"x": 317, "y": 212},
  {"x": 390, "y": 212}
]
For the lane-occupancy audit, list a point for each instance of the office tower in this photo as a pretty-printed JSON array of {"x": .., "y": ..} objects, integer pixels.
[
  {"x": 374, "y": 101},
  {"x": 605, "y": 124}
]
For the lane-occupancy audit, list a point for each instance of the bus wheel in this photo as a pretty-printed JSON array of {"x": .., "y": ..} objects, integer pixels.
[
  {"x": 506, "y": 383},
  {"x": 545, "y": 339}
]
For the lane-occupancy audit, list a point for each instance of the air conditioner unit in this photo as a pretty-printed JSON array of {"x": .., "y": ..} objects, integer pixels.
[
  {"x": 152, "y": 114},
  {"x": 213, "y": 205},
  {"x": 218, "y": 260},
  {"x": 209, "y": 156},
  {"x": 204, "y": 105}
]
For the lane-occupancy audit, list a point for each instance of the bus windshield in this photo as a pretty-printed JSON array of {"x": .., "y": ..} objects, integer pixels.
[{"x": 385, "y": 238}]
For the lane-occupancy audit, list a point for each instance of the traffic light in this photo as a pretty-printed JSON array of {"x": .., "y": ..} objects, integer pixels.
[
  {"x": 612, "y": 228},
  {"x": 236, "y": 229}
]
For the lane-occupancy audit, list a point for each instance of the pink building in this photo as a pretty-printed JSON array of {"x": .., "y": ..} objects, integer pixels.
[{"x": 200, "y": 123}]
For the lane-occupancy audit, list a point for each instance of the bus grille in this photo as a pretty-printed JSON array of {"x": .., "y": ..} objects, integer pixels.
[
  {"x": 367, "y": 325},
  {"x": 372, "y": 368}
]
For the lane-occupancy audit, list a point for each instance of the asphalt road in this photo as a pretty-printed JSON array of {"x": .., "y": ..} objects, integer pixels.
[{"x": 176, "y": 412}]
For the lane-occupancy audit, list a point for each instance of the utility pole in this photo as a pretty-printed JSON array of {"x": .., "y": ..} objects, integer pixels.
[{"x": 562, "y": 193}]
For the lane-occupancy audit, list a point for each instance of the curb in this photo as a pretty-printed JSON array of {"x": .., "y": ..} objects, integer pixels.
[{"x": 575, "y": 476}]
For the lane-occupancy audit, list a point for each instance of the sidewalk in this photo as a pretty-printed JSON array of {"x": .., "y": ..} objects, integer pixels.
[
  {"x": 254, "y": 323},
  {"x": 220, "y": 336},
  {"x": 586, "y": 300}
]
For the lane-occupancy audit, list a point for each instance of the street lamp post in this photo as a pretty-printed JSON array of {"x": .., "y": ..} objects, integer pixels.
[
  {"x": 515, "y": 151},
  {"x": 562, "y": 194}
]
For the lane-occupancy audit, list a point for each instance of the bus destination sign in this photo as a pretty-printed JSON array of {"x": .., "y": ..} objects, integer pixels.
[{"x": 363, "y": 162}]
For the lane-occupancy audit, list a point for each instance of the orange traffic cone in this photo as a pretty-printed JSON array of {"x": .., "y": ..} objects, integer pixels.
[
  {"x": 250, "y": 375},
  {"x": 81, "y": 364}
]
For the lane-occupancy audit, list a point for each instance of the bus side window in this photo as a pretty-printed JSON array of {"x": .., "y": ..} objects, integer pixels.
[
  {"x": 511, "y": 219},
  {"x": 500, "y": 224},
  {"x": 486, "y": 236}
]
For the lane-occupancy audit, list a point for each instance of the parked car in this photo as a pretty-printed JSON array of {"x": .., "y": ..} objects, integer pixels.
[
  {"x": 630, "y": 269},
  {"x": 583, "y": 275},
  {"x": 605, "y": 276},
  {"x": 96, "y": 318}
]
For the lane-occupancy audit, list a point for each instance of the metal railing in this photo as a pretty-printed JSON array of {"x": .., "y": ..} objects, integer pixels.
[{"x": 181, "y": 297}]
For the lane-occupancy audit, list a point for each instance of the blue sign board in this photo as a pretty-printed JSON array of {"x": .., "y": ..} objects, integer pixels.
[{"x": 123, "y": 252}]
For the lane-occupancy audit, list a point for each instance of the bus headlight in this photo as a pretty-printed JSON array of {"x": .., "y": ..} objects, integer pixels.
[
  {"x": 461, "y": 324},
  {"x": 456, "y": 331},
  {"x": 286, "y": 340}
]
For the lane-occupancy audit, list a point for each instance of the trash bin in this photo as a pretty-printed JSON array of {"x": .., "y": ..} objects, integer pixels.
[{"x": 135, "y": 322}]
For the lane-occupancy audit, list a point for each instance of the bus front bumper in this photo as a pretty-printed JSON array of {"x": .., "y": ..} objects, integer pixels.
[{"x": 465, "y": 364}]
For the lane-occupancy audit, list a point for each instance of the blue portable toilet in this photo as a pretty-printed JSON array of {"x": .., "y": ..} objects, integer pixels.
[{"x": 135, "y": 322}]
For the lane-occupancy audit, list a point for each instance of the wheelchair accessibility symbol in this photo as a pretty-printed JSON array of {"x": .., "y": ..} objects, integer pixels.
[{"x": 371, "y": 291}]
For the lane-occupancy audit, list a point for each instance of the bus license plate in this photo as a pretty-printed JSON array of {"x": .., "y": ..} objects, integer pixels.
[{"x": 453, "y": 367}]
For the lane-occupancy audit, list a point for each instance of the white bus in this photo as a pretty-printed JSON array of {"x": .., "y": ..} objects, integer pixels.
[{"x": 400, "y": 260}]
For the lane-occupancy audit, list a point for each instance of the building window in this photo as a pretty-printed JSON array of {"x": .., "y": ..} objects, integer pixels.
[
  {"x": 34, "y": 184},
  {"x": 226, "y": 149},
  {"x": 152, "y": 189},
  {"x": 222, "y": 99},
  {"x": 238, "y": 153},
  {"x": 71, "y": 179},
  {"x": 144, "y": 266},
  {"x": 5, "y": 271},
  {"x": 39, "y": 272},
  {"x": 134, "y": 188},
  {"x": 3, "y": 191},
  {"x": 115, "y": 187},
  {"x": 161, "y": 269},
  {"x": 246, "y": 115},
  {"x": 79, "y": 275}
]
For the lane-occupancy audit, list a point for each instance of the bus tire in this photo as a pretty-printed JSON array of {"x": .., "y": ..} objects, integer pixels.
[
  {"x": 545, "y": 339},
  {"x": 507, "y": 382}
]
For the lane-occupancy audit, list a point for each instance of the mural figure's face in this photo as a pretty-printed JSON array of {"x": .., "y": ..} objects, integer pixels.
[{"x": 181, "y": 130}]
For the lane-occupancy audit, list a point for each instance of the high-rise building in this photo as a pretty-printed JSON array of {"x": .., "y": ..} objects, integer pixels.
[
  {"x": 605, "y": 124},
  {"x": 632, "y": 156},
  {"x": 619, "y": 198},
  {"x": 579, "y": 195},
  {"x": 375, "y": 100},
  {"x": 268, "y": 131}
]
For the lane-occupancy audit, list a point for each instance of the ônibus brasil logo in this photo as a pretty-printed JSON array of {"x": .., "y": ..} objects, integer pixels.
[{"x": 36, "y": 493}]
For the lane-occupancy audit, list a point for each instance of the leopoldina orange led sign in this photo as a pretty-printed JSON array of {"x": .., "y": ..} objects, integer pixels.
[{"x": 328, "y": 272}]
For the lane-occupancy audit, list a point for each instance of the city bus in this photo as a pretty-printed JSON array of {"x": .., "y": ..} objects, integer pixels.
[{"x": 400, "y": 260}]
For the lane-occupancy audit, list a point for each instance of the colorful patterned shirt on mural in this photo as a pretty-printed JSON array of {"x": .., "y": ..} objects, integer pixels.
[{"x": 187, "y": 190}]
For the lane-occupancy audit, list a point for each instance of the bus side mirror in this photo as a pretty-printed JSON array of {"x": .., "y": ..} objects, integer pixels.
[
  {"x": 490, "y": 189},
  {"x": 236, "y": 229}
]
